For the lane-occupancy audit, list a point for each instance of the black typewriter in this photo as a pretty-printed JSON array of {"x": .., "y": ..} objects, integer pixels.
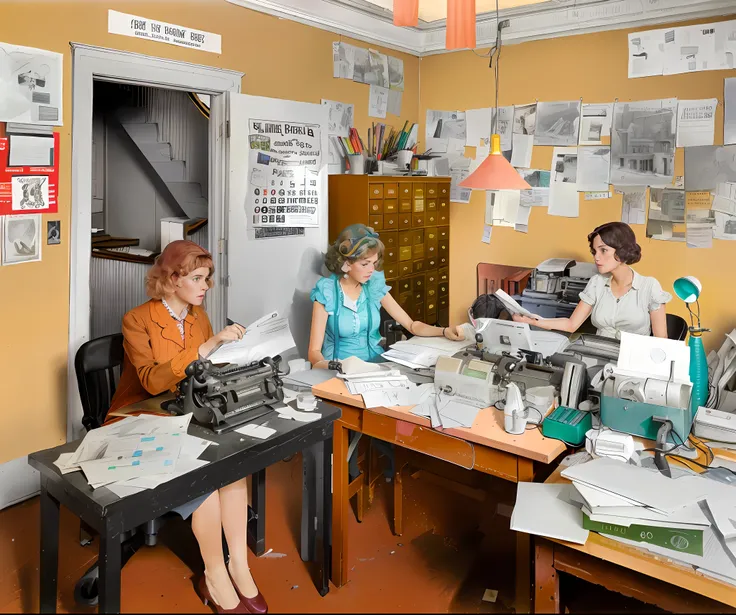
[{"x": 223, "y": 398}]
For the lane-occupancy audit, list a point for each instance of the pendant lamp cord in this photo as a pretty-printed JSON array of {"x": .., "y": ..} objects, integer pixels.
[{"x": 494, "y": 52}]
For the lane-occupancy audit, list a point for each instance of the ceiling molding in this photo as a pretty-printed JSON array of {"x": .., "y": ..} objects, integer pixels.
[{"x": 372, "y": 24}]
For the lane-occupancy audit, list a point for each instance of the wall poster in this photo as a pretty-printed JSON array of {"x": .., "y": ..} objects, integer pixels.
[
  {"x": 284, "y": 162},
  {"x": 28, "y": 188}
]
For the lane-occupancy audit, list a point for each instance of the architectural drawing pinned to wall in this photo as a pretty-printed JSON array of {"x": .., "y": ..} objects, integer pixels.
[
  {"x": 478, "y": 125},
  {"x": 396, "y": 73},
  {"x": 21, "y": 239},
  {"x": 557, "y": 123},
  {"x": 367, "y": 66},
  {"x": 643, "y": 143},
  {"x": 699, "y": 228},
  {"x": 595, "y": 124},
  {"x": 502, "y": 124},
  {"x": 445, "y": 131},
  {"x": 563, "y": 196},
  {"x": 724, "y": 208},
  {"x": 707, "y": 166},
  {"x": 525, "y": 119},
  {"x": 633, "y": 204},
  {"x": 538, "y": 196},
  {"x": 666, "y": 214},
  {"x": 594, "y": 168},
  {"x": 646, "y": 53},
  {"x": 343, "y": 60},
  {"x": 340, "y": 119}
]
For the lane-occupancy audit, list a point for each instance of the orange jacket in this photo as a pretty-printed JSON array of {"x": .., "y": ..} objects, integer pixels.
[{"x": 155, "y": 356}]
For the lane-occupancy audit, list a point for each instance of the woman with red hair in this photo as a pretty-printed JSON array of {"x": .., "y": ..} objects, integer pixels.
[{"x": 161, "y": 338}]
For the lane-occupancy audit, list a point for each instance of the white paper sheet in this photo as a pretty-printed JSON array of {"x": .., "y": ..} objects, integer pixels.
[
  {"x": 641, "y": 355},
  {"x": 478, "y": 125},
  {"x": 691, "y": 49},
  {"x": 267, "y": 337},
  {"x": 343, "y": 60},
  {"x": 462, "y": 415},
  {"x": 563, "y": 196},
  {"x": 377, "y": 101},
  {"x": 30, "y": 85},
  {"x": 503, "y": 205},
  {"x": 183, "y": 466},
  {"x": 459, "y": 171},
  {"x": 393, "y": 105},
  {"x": 521, "y": 155},
  {"x": 545, "y": 510},
  {"x": 403, "y": 397},
  {"x": 646, "y": 53},
  {"x": 699, "y": 227},
  {"x": 31, "y": 151},
  {"x": 595, "y": 124},
  {"x": 487, "y": 232},
  {"x": 340, "y": 119},
  {"x": 594, "y": 168},
  {"x": 696, "y": 122},
  {"x": 729, "y": 113},
  {"x": 706, "y": 167},
  {"x": 260, "y": 432},
  {"x": 634, "y": 204},
  {"x": 298, "y": 415}
]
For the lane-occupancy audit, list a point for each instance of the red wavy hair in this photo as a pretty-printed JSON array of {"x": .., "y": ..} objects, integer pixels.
[{"x": 179, "y": 258}]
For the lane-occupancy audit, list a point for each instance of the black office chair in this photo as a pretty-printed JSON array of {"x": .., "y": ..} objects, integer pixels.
[
  {"x": 676, "y": 327},
  {"x": 98, "y": 364}
]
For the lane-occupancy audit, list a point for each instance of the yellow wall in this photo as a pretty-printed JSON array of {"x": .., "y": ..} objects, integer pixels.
[
  {"x": 594, "y": 67},
  {"x": 280, "y": 58}
]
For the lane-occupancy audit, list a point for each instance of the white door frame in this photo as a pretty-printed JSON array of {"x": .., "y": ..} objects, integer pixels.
[{"x": 97, "y": 63}]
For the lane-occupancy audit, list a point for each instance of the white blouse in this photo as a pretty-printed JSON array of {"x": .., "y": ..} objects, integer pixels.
[{"x": 629, "y": 312}]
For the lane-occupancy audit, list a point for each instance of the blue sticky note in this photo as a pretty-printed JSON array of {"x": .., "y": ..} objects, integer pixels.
[
  {"x": 148, "y": 439},
  {"x": 137, "y": 453},
  {"x": 159, "y": 448},
  {"x": 168, "y": 462},
  {"x": 136, "y": 463}
]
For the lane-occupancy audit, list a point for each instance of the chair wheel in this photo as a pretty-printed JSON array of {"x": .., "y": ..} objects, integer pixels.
[{"x": 85, "y": 591}]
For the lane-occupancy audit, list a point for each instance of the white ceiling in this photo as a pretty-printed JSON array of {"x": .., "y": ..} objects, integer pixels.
[{"x": 371, "y": 21}]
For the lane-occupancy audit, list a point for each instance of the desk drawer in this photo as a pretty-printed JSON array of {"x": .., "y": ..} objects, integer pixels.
[
  {"x": 391, "y": 255},
  {"x": 375, "y": 207},
  {"x": 405, "y": 206},
  {"x": 405, "y": 285},
  {"x": 432, "y": 279},
  {"x": 417, "y": 236},
  {"x": 418, "y": 282},
  {"x": 443, "y": 217},
  {"x": 431, "y": 204},
  {"x": 444, "y": 189},
  {"x": 390, "y": 206},
  {"x": 405, "y": 253},
  {"x": 419, "y": 190},
  {"x": 391, "y": 270},
  {"x": 406, "y": 268},
  {"x": 432, "y": 191},
  {"x": 442, "y": 261},
  {"x": 404, "y": 221},
  {"x": 390, "y": 191},
  {"x": 431, "y": 292},
  {"x": 375, "y": 191},
  {"x": 404, "y": 190},
  {"x": 432, "y": 218},
  {"x": 391, "y": 222},
  {"x": 430, "y": 308},
  {"x": 431, "y": 262},
  {"x": 406, "y": 238},
  {"x": 375, "y": 222},
  {"x": 390, "y": 239},
  {"x": 417, "y": 220}
]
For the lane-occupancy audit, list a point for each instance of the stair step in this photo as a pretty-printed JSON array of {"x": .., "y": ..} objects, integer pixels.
[
  {"x": 156, "y": 152},
  {"x": 142, "y": 133},
  {"x": 185, "y": 191},
  {"x": 171, "y": 171},
  {"x": 195, "y": 208},
  {"x": 131, "y": 115}
]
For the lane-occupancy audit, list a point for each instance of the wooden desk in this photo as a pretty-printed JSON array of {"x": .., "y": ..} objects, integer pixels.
[
  {"x": 485, "y": 447},
  {"x": 235, "y": 457},
  {"x": 633, "y": 572}
]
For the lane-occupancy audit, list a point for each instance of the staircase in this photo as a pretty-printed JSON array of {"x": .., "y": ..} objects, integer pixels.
[{"x": 145, "y": 135}]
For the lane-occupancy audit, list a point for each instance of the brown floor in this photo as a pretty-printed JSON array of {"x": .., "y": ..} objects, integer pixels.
[{"x": 453, "y": 548}]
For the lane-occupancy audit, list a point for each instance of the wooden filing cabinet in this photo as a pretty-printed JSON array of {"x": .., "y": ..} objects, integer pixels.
[{"x": 412, "y": 217}]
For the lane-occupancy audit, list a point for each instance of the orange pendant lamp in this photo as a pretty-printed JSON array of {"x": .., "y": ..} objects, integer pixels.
[
  {"x": 406, "y": 13},
  {"x": 460, "y": 29},
  {"x": 495, "y": 172}
]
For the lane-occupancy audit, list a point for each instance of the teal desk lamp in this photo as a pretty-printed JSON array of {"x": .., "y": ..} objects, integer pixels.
[{"x": 688, "y": 289}]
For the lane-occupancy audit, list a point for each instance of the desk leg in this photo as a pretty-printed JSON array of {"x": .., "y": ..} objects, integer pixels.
[
  {"x": 546, "y": 580},
  {"x": 324, "y": 473},
  {"x": 110, "y": 563},
  {"x": 257, "y": 525},
  {"x": 49, "y": 550},
  {"x": 525, "y": 473},
  {"x": 340, "y": 505},
  {"x": 312, "y": 486}
]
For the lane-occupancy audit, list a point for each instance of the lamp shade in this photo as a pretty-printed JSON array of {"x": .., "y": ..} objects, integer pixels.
[
  {"x": 406, "y": 13},
  {"x": 495, "y": 172},
  {"x": 688, "y": 288},
  {"x": 460, "y": 27}
]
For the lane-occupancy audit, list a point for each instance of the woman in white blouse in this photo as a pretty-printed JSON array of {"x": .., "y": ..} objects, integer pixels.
[{"x": 618, "y": 298}]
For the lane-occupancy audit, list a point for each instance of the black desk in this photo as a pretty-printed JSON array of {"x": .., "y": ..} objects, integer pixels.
[{"x": 231, "y": 460}]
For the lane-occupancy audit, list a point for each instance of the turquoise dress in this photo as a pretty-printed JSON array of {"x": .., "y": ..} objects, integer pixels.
[{"x": 357, "y": 329}]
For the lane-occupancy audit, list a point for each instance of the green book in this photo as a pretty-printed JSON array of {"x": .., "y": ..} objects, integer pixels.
[{"x": 678, "y": 540}]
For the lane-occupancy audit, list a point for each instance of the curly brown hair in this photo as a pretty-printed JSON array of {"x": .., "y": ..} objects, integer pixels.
[{"x": 621, "y": 238}]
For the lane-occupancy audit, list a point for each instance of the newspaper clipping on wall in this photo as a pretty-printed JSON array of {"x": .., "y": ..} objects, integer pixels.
[{"x": 283, "y": 174}]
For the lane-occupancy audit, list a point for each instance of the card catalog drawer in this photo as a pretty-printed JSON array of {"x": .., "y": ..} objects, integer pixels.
[
  {"x": 391, "y": 255},
  {"x": 391, "y": 222},
  {"x": 419, "y": 190},
  {"x": 390, "y": 239},
  {"x": 390, "y": 191},
  {"x": 405, "y": 253},
  {"x": 404, "y": 221},
  {"x": 391, "y": 271},
  {"x": 406, "y": 238},
  {"x": 375, "y": 222},
  {"x": 404, "y": 189},
  {"x": 417, "y": 220},
  {"x": 375, "y": 207},
  {"x": 431, "y": 190},
  {"x": 390, "y": 206},
  {"x": 405, "y": 268},
  {"x": 375, "y": 191}
]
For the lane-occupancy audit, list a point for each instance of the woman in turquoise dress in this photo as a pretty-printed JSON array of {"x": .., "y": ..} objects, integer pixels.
[{"x": 346, "y": 314}]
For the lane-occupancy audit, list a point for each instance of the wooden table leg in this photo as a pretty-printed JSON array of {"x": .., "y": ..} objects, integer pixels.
[
  {"x": 525, "y": 473},
  {"x": 257, "y": 526},
  {"x": 110, "y": 564},
  {"x": 546, "y": 579},
  {"x": 324, "y": 472},
  {"x": 49, "y": 550},
  {"x": 400, "y": 463},
  {"x": 340, "y": 505}
]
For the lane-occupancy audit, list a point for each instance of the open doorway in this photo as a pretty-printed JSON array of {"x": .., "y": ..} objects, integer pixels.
[
  {"x": 140, "y": 75},
  {"x": 150, "y": 172}
]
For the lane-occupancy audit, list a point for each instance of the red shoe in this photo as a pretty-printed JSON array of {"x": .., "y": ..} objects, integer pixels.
[
  {"x": 204, "y": 594},
  {"x": 256, "y": 605}
]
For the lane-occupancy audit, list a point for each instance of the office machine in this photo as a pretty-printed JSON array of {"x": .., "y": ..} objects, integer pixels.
[
  {"x": 472, "y": 380},
  {"x": 516, "y": 338},
  {"x": 567, "y": 424},
  {"x": 715, "y": 425},
  {"x": 554, "y": 287},
  {"x": 547, "y": 278},
  {"x": 222, "y": 399}
]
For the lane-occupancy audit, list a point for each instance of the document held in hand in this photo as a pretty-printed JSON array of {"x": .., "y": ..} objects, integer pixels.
[
  {"x": 266, "y": 337},
  {"x": 513, "y": 306}
]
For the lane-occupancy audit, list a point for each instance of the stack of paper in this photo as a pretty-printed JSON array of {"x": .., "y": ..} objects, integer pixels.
[
  {"x": 136, "y": 453},
  {"x": 423, "y": 352},
  {"x": 385, "y": 388}
]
